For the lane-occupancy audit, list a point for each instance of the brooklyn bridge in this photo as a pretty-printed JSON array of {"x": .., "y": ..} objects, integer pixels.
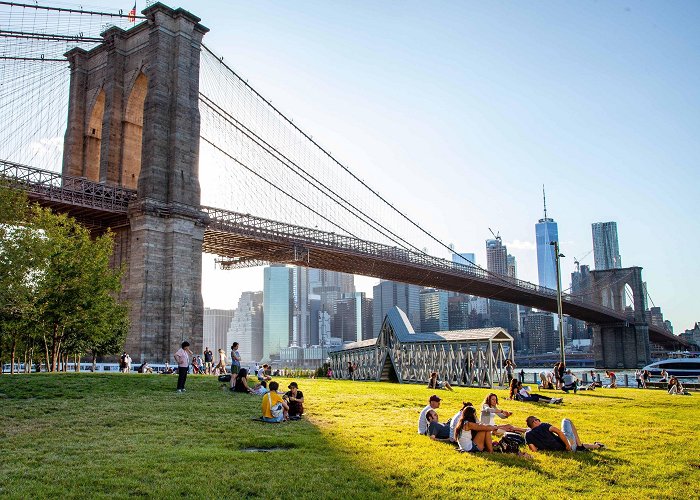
[{"x": 150, "y": 118}]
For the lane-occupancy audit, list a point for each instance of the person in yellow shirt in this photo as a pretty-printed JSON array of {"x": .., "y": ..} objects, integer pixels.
[{"x": 274, "y": 408}]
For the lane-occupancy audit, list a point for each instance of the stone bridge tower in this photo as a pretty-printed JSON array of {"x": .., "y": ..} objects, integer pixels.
[
  {"x": 133, "y": 121},
  {"x": 624, "y": 344}
]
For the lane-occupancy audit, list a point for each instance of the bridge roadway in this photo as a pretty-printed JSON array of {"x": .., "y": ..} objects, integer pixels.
[{"x": 247, "y": 240}]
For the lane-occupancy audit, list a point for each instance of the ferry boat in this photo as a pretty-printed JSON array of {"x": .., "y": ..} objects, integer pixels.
[{"x": 678, "y": 367}]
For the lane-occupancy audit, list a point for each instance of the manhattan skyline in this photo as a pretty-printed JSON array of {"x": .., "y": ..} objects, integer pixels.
[{"x": 459, "y": 113}]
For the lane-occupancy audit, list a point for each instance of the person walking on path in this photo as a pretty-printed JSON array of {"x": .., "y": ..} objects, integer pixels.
[{"x": 182, "y": 356}]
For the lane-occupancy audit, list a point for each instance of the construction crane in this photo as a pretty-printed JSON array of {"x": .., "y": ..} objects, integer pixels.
[
  {"x": 496, "y": 235},
  {"x": 578, "y": 262}
]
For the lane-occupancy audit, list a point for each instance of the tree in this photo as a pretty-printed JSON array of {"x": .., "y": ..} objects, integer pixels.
[
  {"x": 56, "y": 284},
  {"x": 76, "y": 296}
]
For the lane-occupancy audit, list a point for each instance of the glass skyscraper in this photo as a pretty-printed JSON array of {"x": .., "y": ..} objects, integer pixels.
[
  {"x": 546, "y": 231},
  {"x": 277, "y": 309},
  {"x": 606, "y": 253}
]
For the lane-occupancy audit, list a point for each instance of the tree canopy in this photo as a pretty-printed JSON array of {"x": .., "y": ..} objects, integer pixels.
[{"x": 58, "y": 293}]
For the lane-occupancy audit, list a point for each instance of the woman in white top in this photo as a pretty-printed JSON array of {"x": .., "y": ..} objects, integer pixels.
[
  {"x": 490, "y": 409},
  {"x": 473, "y": 436}
]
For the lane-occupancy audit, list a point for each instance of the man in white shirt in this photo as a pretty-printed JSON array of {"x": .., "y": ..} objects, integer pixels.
[
  {"x": 433, "y": 403},
  {"x": 182, "y": 356}
]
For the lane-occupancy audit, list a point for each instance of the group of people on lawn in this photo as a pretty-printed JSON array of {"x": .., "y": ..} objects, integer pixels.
[
  {"x": 276, "y": 406},
  {"x": 472, "y": 434}
]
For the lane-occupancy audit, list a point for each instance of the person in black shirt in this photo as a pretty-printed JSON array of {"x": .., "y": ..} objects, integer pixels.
[
  {"x": 295, "y": 399},
  {"x": 546, "y": 437},
  {"x": 208, "y": 359},
  {"x": 436, "y": 430}
]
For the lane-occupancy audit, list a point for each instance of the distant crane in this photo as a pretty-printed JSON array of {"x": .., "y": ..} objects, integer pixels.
[
  {"x": 496, "y": 235},
  {"x": 578, "y": 262}
]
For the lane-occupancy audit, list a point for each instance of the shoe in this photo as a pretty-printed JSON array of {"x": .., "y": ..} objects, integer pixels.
[
  {"x": 553, "y": 401},
  {"x": 179, "y": 390},
  {"x": 601, "y": 446},
  {"x": 231, "y": 389}
]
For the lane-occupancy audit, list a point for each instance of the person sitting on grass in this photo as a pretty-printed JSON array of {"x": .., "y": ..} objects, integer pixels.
[
  {"x": 524, "y": 395},
  {"x": 433, "y": 404},
  {"x": 675, "y": 387},
  {"x": 262, "y": 373},
  {"x": 436, "y": 430},
  {"x": 472, "y": 436},
  {"x": 274, "y": 408},
  {"x": 434, "y": 383},
  {"x": 489, "y": 411},
  {"x": 261, "y": 388},
  {"x": 570, "y": 382},
  {"x": 545, "y": 437},
  {"x": 239, "y": 383},
  {"x": 295, "y": 400},
  {"x": 546, "y": 380}
]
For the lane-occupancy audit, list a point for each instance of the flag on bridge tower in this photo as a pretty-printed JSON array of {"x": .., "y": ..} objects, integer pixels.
[{"x": 132, "y": 14}]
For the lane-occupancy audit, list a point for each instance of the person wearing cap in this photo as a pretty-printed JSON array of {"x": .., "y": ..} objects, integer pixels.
[
  {"x": 433, "y": 404},
  {"x": 182, "y": 356},
  {"x": 295, "y": 399}
]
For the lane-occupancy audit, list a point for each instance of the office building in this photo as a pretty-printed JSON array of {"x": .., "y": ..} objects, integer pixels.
[
  {"x": 606, "y": 253},
  {"x": 433, "y": 310},
  {"x": 329, "y": 286},
  {"x": 278, "y": 309},
  {"x": 496, "y": 257},
  {"x": 247, "y": 327},
  {"x": 216, "y": 326},
  {"x": 388, "y": 294},
  {"x": 465, "y": 259},
  {"x": 546, "y": 231},
  {"x": 301, "y": 325},
  {"x": 538, "y": 334},
  {"x": 581, "y": 288},
  {"x": 352, "y": 320}
]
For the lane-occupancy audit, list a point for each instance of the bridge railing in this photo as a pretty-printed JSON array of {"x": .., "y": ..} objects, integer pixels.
[{"x": 55, "y": 187}]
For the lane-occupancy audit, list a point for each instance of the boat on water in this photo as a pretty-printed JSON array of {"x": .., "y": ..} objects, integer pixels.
[{"x": 678, "y": 367}]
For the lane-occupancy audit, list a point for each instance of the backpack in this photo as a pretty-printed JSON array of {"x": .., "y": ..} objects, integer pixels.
[
  {"x": 276, "y": 410},
  {"x": 225, "y": 378},
  {"x": 509, "y": 443}
]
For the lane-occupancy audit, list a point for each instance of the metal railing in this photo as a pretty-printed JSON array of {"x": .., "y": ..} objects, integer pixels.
[{"x": 79, "y": 191}]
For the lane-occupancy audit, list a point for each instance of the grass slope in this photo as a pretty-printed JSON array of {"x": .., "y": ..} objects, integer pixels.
[{"x": 98, "y": 435}]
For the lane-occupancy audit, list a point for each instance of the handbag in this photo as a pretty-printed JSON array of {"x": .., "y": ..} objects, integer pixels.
[{"x": 275, "y": 411}]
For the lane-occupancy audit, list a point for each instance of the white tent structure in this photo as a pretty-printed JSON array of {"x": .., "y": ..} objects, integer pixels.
[{"x": 462, "y": 357}]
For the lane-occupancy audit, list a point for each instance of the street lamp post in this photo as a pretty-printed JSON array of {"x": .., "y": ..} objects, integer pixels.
[
  {"x": 182, "y": 324},
  {"x": 557, "y": 256}
]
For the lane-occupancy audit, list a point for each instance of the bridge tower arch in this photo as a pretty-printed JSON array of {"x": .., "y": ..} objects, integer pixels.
[
  {"x": 139, "y": 91},
  {"x": 624, "y": 344}
]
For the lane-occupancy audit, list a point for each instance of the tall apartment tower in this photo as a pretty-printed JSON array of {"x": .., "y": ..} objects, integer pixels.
[
  {"x": 247, "y": 326},
  {"x": 301, "y": 326},
  {"x": 278, "y": 309},
  {"x": 388, "y": 294},
  {"x": 606, "y": 253},
  {"x": 546, "y": 231},
  {"x": 496, "y": 257},
  {"x": 352, "y": 320}
]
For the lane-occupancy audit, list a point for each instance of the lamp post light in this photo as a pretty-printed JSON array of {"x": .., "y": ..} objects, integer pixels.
[{"x": 557, "y": 256}]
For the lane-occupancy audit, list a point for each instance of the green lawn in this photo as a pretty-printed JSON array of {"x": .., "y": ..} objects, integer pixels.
[{"x": 95, "y": 435}]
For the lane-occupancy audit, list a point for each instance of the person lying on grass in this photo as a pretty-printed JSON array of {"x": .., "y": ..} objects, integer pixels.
[
  {"x": 490, "y": 409},
  {"x": 545, "y": 437},
  {"x": 436, "y": 430},
  {"x": 434, "y": 383},
  {"x": 434, "y": 404},
  {"x": 261, "y": 388},
  {"x": 274, "y": 408},
  {"x": 472, "y": 436},
  {"x": 524, "y": 395}
]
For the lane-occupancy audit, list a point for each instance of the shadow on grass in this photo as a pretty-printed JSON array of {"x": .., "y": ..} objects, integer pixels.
[
  {"x": 95, "y": 435},
  {"x": 598, "y": 395}
]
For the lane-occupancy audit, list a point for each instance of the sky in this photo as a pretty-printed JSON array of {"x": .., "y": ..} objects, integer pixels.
[{"x": 460, "y": 111}]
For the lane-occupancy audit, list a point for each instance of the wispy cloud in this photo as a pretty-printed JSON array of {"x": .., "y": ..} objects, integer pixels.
[{"x": 521, "y": 245}]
